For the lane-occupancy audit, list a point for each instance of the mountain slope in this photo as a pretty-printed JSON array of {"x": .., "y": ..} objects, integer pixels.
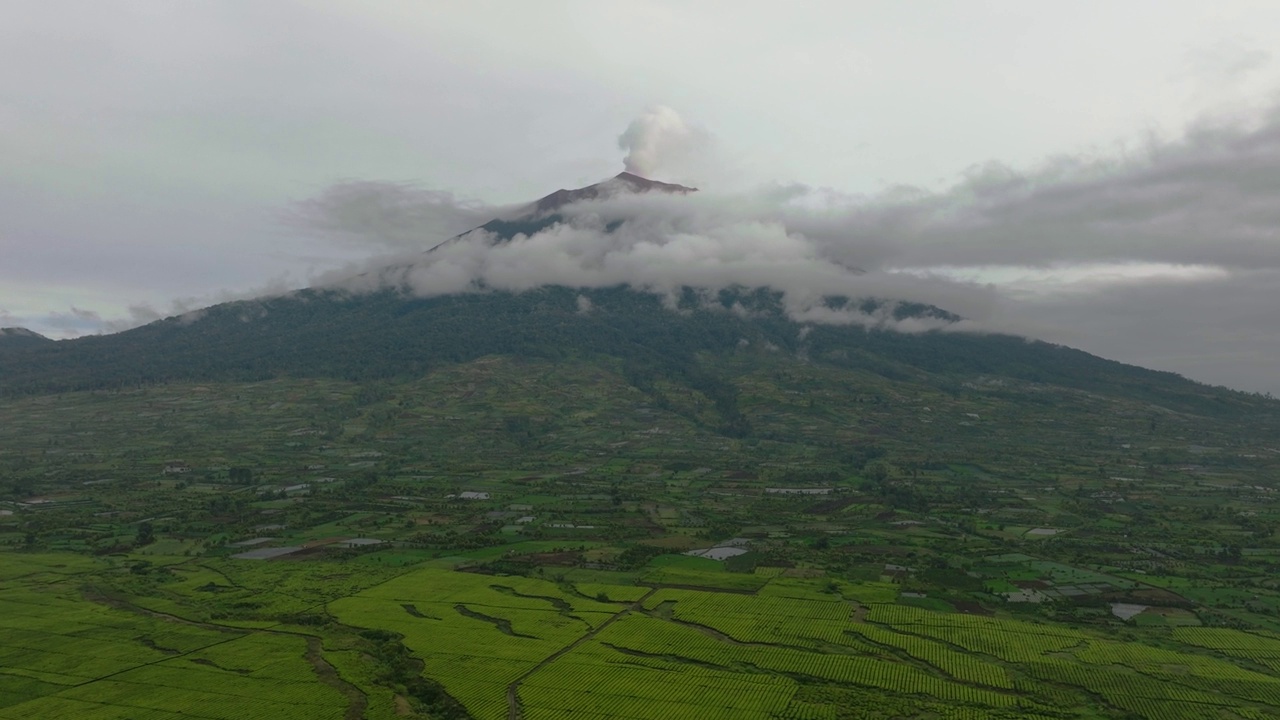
[
  {"x": 390, "y": 334},
  {"x": 382, "y": 335},
  {"x": 20, "y": 337}
]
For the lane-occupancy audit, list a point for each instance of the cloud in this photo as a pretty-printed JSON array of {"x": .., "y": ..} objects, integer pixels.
[
  {"x": 1220, "y": 329},
  {"x": 662, "y": 243},
  {"x": 1205, "y": 199},
  {"x": 388, "y": 215},
  {"x": 76, "y": 321},
  {"x": 1226, "y": 61}
]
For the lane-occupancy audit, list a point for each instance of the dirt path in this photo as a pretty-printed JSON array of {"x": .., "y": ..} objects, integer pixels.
[
  {"x": 513, "y": 690},
  {"x": 357, "y": 701},
  {"x": 98, "y": 595}
]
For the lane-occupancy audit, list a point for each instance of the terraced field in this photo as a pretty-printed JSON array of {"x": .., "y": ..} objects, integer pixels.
[
  {"x": 510, "y": 647},
  {"x": 506, "y": 646},
  {"x": 477, "y": 634}
]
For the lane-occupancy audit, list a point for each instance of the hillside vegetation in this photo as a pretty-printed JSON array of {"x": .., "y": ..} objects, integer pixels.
[{"x": 535, "y": 506}]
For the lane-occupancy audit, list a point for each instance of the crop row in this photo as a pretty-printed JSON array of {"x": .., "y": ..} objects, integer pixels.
[
  {"x": 145, "y": 680},
  {"x": 1146, "y": 658},
  {"x": 821, "y": 589},
  {"x": 47, "y": 631},
  {"x": 1156, "y": 709},
  {"x": 325, "y": 703},
  {"x": 1006, "y": 644},
  {"x": 905, "y": 615},
  {"x": 543, "y": 703},
  {"x": 774, "y": 628},
  {"x": 533, "y": 634},
  {"x": 808, "y": 711},
  {"x": 956, "y": 664},
  {"x": 830, "y": 609},
  {"x": 613, "y": 695},
  {"x": 67, "y": 709},
  {"x": 126, "y": 647},
  {"x": 46, "y": 663},
  {"x": 569, "y": 673},
  {"x": 448, "y": 586},
  {"x": 617, "y": 688},
  {"x": 676, "y": 575},
  {"x": 483, "y": 699},
  {"x": 615, "y": 593},
  {"x": 1228, "y": 639},
  {"x": 654, "y": 636},
  {"x": 279, "y": 657},
  {"x": 1123, "y": 689},
  {"x": 1265, "y": 690},
  {"x": 759, "y": 619}
]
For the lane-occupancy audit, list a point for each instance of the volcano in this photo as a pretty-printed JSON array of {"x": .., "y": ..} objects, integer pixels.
[
  {"x": 681, "y": 339},
  {"x": 545, "y": 212},
  {"x": 623, "y": 182}
]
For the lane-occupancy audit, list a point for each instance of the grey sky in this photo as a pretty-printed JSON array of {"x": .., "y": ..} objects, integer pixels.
[{"x": 151, "y": 151}]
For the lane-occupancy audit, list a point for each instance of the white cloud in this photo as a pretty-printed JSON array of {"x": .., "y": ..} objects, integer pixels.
[{"x": 390, "y": 216}]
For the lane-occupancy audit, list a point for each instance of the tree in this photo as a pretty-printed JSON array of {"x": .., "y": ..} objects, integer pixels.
[
  {"x": 146, "y": 534},
  {"x": 877, "y": 472}
]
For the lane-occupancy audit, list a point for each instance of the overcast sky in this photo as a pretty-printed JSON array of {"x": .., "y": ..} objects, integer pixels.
[{"x": 1105, "y": 173}]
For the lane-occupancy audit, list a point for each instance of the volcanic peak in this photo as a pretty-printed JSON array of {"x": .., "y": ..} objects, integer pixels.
[{"x": 623, "y": 182}]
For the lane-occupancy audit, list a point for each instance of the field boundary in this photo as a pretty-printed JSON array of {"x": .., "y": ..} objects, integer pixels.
[{"x": 513, "y": 689}]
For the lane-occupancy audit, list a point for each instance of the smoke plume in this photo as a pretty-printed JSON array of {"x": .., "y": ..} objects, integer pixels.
[{"x": 660, "y": 144}]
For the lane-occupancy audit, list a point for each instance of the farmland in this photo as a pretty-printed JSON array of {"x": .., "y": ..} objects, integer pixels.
[
  {"x": 65, "y": 655},
  {"x": 498, "y": 644},
  {"x": 520, "y": 539}
]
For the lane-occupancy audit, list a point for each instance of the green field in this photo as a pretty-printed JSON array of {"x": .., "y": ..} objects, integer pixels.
[
  {"x": 496, "y": 644},
  {"x": 504, "y": 538}
]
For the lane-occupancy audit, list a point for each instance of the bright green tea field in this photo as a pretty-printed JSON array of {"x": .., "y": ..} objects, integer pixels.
[{"x": 498, "y": 646}]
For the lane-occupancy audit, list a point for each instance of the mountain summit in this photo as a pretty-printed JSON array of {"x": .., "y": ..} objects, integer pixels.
[
  {"x": 11, "y": 337},
  {"x": 17, "y": 332},
  {"x": 545, "y": 212},
  {"x": 623, "y": 182}
]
